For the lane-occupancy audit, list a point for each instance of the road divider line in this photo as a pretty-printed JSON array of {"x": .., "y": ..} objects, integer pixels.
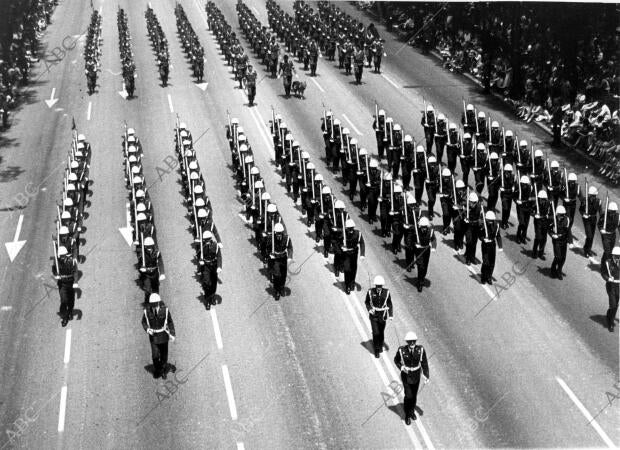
[
  {"x": 170, "y": 103},
  {"x": 216, "y": 329},
  {"x": 229, "y": 393},
  {"x": 585, "y": 412},
  {"x": 352, "y": 126},
  {"x": 317, "y": 84},
  {"x": 240, "y": 446},
  {"x": 389, "y": 80},
  {"x": 262, "y": 128},
  {"x": 90, "y": 107},
  {"x": 202, "y": 13},
  {"x": 63, "y": 409},
  {"x": 67, "y": 347},
  {"x": 484, "y": 286}
]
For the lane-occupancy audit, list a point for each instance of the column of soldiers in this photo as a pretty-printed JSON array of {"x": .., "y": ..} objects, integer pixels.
[
  {"x": 150, "y": 264},
  {"x": 270, "y": 236},
  {"x": 191, "y": 45},
  {"x": 206, "y": 237},
  {"x": 159, "y": 44},
  {"x": 124, "y": 46},
  {"x": 69, "y": 222},
  {"x": 92, "y": 51},
  {"x": 327, "y": 214}
]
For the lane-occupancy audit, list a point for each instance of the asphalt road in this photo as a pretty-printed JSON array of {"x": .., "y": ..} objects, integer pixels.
[{"x": 524, "y": 363}]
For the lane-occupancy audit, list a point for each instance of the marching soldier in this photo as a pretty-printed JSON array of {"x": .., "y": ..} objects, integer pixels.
[
  {"x": 441, "y": 135},
  {"x": 482, "y": 134},
  {"x": 419, "y": 173},
  {"x": 210, "y": 266},
  {"x": 407, "y": 162},
  {"x": 458, "y": 214},
  {"x": 506, "y": 193},
  {"x": 65, "y": 272},
  {"x": 541, "y": 212},
  {"x": 425, "y": 243},
  {"x": 379, "y": 126},
  {"x": 410, "y": 359},
  {"x": 523, "y": 192},
  {"x": 571, "y": 191},
  {"x": 398, "y": 218},
  {"x": 453, "y": 147},
  {"x": 352, "y": 245},
  {"x": 429, "y": 124},
  {"x": 386, "y": 204},
  {"x": 608, "y": 224},
  {"x": 432, "y": 184},
  {"x": 447, "y": 192},
  {"x": 281, "y": 251},
  {"x": 325, "y": 203},
  {"x": 395, "y": 153},
  {"x": 468, "y": 119},
  {"x": 480, "y": 166},
  {"x": 149, "y": 258},
  {"x": 157, "y": 322},
  {"x": 552, "y": 180},
  {"x": 380, "y": 310},
  {"x": 589, "y": 208},
  {"x": 537, "y": 169},
  {"x": 473, "y": 213},
  {"x": 374, "y": 183},
  {"x": 490, "y": 239},
  {"x": 559, "y": 239},
  {"x": 495, "y": 139},
  {"x": 493, "y": 180},
  {"x": 611, "y": 273}
]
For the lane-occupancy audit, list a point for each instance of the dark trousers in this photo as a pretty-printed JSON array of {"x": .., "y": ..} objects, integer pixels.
[
  {"x": 523, "y": 215},
  {"x": 378, "y": 328},
  {"x": 459, "y": 233},
  {"x": 465, "y": 167},
  {"x": 559, "y": 254},
  {"x": 446, "y": 212},
  {"x": 372, "y": 205},
  {"x": 612, "y": 293},
  {"x": 471, "y": 242},
  {"x": 489, "y": 250},
  {"x": 422, "y": 256},
  {"x": 209, "y": 279},
  {"x": 150, "y": 283},
  {"x": 411, "y": 392},
  {"x": 67, "y": 297},
  {"x": 278, "y": 273},
  {"x": 160, "y": 356},
  {"x": 506, "y": 207},
  {"x": 589, "y": 226}
]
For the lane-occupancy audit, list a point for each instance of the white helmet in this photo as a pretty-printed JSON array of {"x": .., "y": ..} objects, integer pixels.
[
  {"x": 473, "y": 197},
  {"x": 193, "y": 165},
  {"x": 202, "y": 213},
  {"x": 207, "y": 235},
  {"x": 379, "y": 281},
  {"x": 67, "y": 202},
  {"x": 398, "y": 188},
  {"x": 446, "y": 172},
  {"x": 240, "y": 129},
  {"x": 387, "y": 176},
  {"x": 339, "y": 204},
  {"x": 154, "y": 298},
  {"x": 141, "y": 207},
  {"x": 336, "y": 122},
  {"x": 62, "y": 251},
  {"x": 259, "y": 184},
  {"x": 542, "y": 194},
  {"x": 592, "y": 190},
  {"x": 525, "y": 179},
  {"x": 349, "y": 223},
  {"x": 353, "y": 141},
  {"x": 480, "y": 146},
  {"x": 397, "y": 127},
  {"x": 345, "y": 130},
  {"x": 561, "y": 210},
  {"x": 613, "y": 206},
  {"x": 441, "y": 117},
  {"x": 572, "y": 177},
  {"x": 452, "y": 126},
  {"x": 616, "y": 251},
  {"x": 66, "y": 215},
  {"x": 419, "y": 148},
  {"x": 374, "y": 163},
  {"x": 432, "y": 159},
  {"x": 490, "y": 215},
  {"x": 430, "y": 108},
  {"x": 481, "y": 115},
  {"x": 538, "y": 154},
  {"x": 81, "y": 138},
  {"x": 408, "y": 138},
  {"x": 235, "y": 121},
  {"x": 470, "y": 107},
  {"x": 200, "y": 202},
  {"x": 265, "y": 196},
  {"x": 494, "y": 155},
  {"x": 495, "y": 124},
  {"x": 272, "y": 208},
  {"x": 508, "y": 133},
  {"x": 410, "y": 199},
  {"x": 278, "y": 228},
  {"x": 459, "y": 184},
  {"x": 183, "y": 133},
  {"x": 148, "y": 241},
  {"x": 424, "y": 222},
  {"x": 466, "y": 136},
  {"x": 310, "y": 166},
  {"x": 130, "y": 131},
  {"x": 253, "y": 171},
  {"x": 318, "y": 177},
  {"x": 411, "y": 336},
  {"x": 554, "y": 164},
  {"x": 508, "y": 168},
  {"x": 288, "y": 137},
  {"x": 523, "y": 143},
  {"x": 363, "y": 152},
  {"x": 248, "y": 159},
  {"x": 198, "y": 189},
  {"x": 326, "y": 190},
  {"x": 304, "y": 155},
  {"x": 381, "y": 112},
  {"x": 183, "y": 126},
  {"x": 243, "y": 148},
  {"x": 63, "y": 230}
]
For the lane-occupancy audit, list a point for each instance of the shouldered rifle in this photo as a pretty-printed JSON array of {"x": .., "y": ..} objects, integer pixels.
[
  {"x": 202, "y": 256},
  {"x": 428, "y": 174},
  {"x": 519, "y": 183},
  {"x": 303, "y": 165},
  {"x": 332, "y": 125},
  {"x": 415, "y": 224},
  {"x": 381, "y": 185},
  {"x": 392, "y": 196},
  {"x": 402, "y": 146},
  {"x": 504, "y": 140},
  {"x": 486, "y": 229},
  {"x": 273, "y": 121},
  {"x": 474, "y": 148},
  {"x": 405, "y": 208},
  {"x": 273, "y": 237},
  {"x": 376, "y": 115},
  {"x": 605, "y": 218},
  {"x": 440, "y": 183},
  {"x": 333, "y": 210},
  {"x": 532, "y": 159},
  {"x": 555, "y": 219},
  {"x": 312, "y": 182},
  {"x": 464, "y": 111},
  {"x": 392, "y": 134},
  {"x": 56, "y": 258},
  {"x": 536, "y": 197},
  {"x": 566, "y": 183},
  {"x": 454, "y": 190},
  {"x": 549, "y": 173},
  {"x": 344, "y": 231},
  {"x": 462, "y": 148},
  {"x": 489, "y": 128},
  {"x": 518, "y": 149},
  {"x": 467, "y": 205},
  {"x": 142, "y": 250},
  {"x": 476, "y": 120},
  {"x": 435, "y": 117},
  {"x": 367, "y": 171},
  {"x": 425, "y": 114},
  {"x": 501, "y": 168},
  {"x": 321, "y": 195},
  {"x": 586, "y": 195},
  {"x": 325, "y": 121}
]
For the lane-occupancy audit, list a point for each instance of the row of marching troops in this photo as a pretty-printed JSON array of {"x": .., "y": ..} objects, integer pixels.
[
  {"x": 191, "y": 45},
  {"x": 69, "y": 222},
  {"x": 124, "y": 46},
  {"x": 92, "y": 51},
  {"x": 206, "y": 237},
  {"x": 322, "y": 209},
  {"x": 159, "y": 44},
  {"x": 271, "y": 238},
  {"x": 144, "y": 234}
]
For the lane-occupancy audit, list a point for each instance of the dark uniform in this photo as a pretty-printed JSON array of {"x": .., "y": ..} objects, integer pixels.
[
  {"x": 379, "y": 306},
  {"x": 425, "y": 240},
  {"x": 282, "y": 250},
  {"x": 210, "y": 265},
  {"x": 589, "y": 208},
  {"x": 354, "y": 246},
  {"x": 490, "y": 239},
  {"x": 541, "y": 210},
  {"x": 506, "y": 192},
  {"x": 410, "y": 360},
  {"x": 65, "y": 272},
  {"x": 611, "y": 273},
  {"x": 608, "y": 224},
  {"x": 523, "y": 193},
  {"x": 559, "y": 238},
  {"x": 157, "y": 318}
]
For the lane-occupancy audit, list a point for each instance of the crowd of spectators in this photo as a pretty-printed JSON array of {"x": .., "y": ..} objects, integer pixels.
[
  {"x": 23, "y": 24},
  {"x": 556, "y": 63}
]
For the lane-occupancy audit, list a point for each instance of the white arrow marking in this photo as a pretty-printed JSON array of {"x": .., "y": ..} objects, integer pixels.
[
  {"x": 202, "y": 86},
  {"x": 127, "y": 231},
  {"x": 123, "y": 93},
  {"x": 14, "y": 247},
  {"x": 52, "y": 101}
]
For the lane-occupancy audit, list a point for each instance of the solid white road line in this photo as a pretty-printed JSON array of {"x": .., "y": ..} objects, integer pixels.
[
  {"x": 216, "y": 330},
  {"x": 256, "y": 11},
  {"x": 170, "y": 103},
  {"x": 202, "y": 12},
  {"x": 262, "y": 128},
  {"x": 63, "y": 409},
  {"x": 317, "y": 84},
  {"x": 67, "y": 347},
  {"x": 90, "y": 107},
  {"x": 484, "y": 286},
  {"x": 240, "y": 446},
  {"x": 351, "y": 123},
  {"x": 229, "y": 393},
  {"x": 585, "y": 412},
  {"x": 389, "y": 80}
]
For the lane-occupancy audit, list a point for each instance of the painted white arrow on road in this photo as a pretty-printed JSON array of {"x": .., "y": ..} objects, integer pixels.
[
  {"x": 202, "y": 86},
  {"x": 52, "y": 101},
  {"x": 127, "y": 231},
  {"x": 123, "y": 93},
  {"x": 14, "y": 247}
]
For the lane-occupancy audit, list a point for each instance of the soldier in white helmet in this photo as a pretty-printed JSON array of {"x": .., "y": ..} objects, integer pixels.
[
  {"x": 541, "y": 211},
  {"x": 559, "y": 239},
  {"x": 608, "y": 223},
  {"x": 493, "y": 175},
  {"x": 590, "y": 208},
  {"x": 453, "y": 147},
  {"x": 473, "y": 213},
  {"x": 374, "y": 183},
  {"x": 324, "y": 206},
  {"x": 380, "y": 310},
  {"x": 441, "y": 136},
  {"x": 523, "y": 195},
  {"x": 157, "y": 322},
  {"x": 280, "y": 251},
  {"x": 210, "y": 266},
  {"x": 611, "y": 273},
  {"x": 425, "y": 242},
  {"x": 490, "y": 239},
  {"x": 379, "y": 126},
  {"x": 570, "y": 193},
  {"x": 412, "y": 362},
  {"x": 428, "y": 122},
  {"x": 352, "y": 246},
  {"x": 65, "y": 271}
]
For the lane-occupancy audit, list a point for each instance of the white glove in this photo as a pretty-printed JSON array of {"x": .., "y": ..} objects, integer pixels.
[
  {"x": 149, "y": 331},
  {"x": 219, "y": 270},
  {"x": 173, "y": 338}
]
